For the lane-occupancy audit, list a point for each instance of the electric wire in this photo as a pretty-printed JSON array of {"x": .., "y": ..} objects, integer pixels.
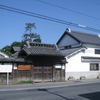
[
  {"x": 68, "y": 9},
  {"x": 46, "y": 18},
  {"x": 94, "y": 2}
]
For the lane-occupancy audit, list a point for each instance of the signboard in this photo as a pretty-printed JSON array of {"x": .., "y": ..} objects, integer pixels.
[{"x": 24, "y": 67}]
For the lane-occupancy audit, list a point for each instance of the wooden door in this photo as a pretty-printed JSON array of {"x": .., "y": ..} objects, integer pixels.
[
  {"x": 42, "y": 73},
  {"x": 37, "y": 70},
  {"x": 57, "y": 74},
  {"x": 47, "y": 73}
]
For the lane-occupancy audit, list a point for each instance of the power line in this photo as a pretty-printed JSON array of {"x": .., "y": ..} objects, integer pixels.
[
  {"x": 68, "y": 9},
  {"x": 46, "y": 18},
  {"x": 94, "y": 2}
]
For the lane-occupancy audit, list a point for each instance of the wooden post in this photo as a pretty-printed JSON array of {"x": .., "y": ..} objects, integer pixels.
[
  {"x": 65, "y": 72},
  {"x": 17, "y": 72},
  {"x": 61, "y": 72},
  {"x": 13, "y": 72},
  {"x": 43, "y": 72},
  {"x": 32, "y": 73},
  {"x": 52, "y": 72}
]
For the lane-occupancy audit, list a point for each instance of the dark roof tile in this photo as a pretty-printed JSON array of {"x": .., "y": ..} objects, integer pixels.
[
  {"x": 82, "y": 37},
  {"x": 71, "y": 50},
  {"x": 86, "y": 37},
  {"x": 42, "y": 49}
]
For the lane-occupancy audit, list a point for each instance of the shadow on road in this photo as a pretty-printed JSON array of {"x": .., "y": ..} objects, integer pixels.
[
  {"x": 91, "y": 96},
  {"x": 54, "y": 94}
]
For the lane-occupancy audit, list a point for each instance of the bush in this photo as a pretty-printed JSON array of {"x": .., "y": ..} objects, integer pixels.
[{"x": 25, "y": 82}]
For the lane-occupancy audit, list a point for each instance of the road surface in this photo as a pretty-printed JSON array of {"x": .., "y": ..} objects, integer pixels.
[{"x": 73, "y": 92}]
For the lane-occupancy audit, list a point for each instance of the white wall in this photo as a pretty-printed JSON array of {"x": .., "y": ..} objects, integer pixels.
[
  {"x": 67, "y": 40},
  {"x": 76, "y": 68},
  {"x": 3, "y": 55},
  {"x": 91, "y": 51},
  {"x": 60, "y": 66},
  {"x": 75, "y": 64},
  {"x": 15, "y": 65},
  {"x": 7, "y": 67}
]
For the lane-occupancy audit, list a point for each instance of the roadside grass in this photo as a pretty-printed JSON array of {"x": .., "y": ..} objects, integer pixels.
[{"x": 24, "y": 82}]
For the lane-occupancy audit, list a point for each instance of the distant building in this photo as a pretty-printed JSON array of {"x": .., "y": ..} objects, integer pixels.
[{"x": 15, "y": 49}]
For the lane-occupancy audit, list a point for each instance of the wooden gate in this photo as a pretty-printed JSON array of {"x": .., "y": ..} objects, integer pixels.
[
  {"x": 42, "y": 73},
  {"x": 59, "y": 74},
  {"x": 48, "y": 74},
  {"x": 37, "y": 73}
]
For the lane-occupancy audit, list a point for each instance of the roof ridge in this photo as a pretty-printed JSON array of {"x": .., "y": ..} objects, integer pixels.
[{"x": 36, "y": 44}]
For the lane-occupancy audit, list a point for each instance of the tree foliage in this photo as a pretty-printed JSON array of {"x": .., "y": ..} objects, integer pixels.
[
  {"x": 17, "y": 44},
  {"x": 7, "y": 49},
  {"x": 30, "y": 36}
]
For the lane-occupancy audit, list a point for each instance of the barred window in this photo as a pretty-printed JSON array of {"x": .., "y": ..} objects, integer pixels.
[
  {"x": 94, "y": 66},
  {"x": 97, "y": 51}
]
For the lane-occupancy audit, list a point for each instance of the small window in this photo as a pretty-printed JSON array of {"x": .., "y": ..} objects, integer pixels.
[
  {"x": 67, "y": 47},
  {"x": 94, "y": 67},
  {"x": 97, "y": 51}
]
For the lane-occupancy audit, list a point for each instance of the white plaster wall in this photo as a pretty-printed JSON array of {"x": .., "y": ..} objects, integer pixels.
[
  {"x": 4, "y": 55},
  {"x": 15, "y": 65},
  {"x": 77, "y": 75},
  {"x": 74, "y": 63},
  {"x": 60, "y": 66},
  {"x": 76, "y": 68},
  {"x": 7, "y": 67},
  {"x": 90, "y": 51},
  {"x": 67, "y": 40}
]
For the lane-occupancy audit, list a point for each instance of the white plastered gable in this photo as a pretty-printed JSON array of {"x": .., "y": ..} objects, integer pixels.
[
  {"x": 3, "y": 55},
  {"x": 67, "y": 40}
]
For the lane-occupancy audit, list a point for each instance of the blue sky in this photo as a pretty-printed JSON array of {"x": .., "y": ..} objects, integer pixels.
[{"x": 12, "y": 25}]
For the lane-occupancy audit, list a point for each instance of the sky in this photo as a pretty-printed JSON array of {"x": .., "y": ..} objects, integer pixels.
[{"x": 12, "y": 25}]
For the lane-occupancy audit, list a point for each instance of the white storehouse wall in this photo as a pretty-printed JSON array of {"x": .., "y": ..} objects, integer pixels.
[
  {"x": 76, "y": 68},
  {"x": 67, "y": 40}
]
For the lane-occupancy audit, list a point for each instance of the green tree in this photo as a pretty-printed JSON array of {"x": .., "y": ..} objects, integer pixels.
[
  {"x": 6, "y": 50},
  {"x": 30, "y": 36},
  {"x": 17, "y": 44}
]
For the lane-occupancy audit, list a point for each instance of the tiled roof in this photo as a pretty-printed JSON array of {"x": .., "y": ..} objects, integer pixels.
[
  {"x": 11, "y": 60},
  {"x": 42, "y": 49},
  {"x": 16, "y": 48},
  {"x": 15, "y": 55},
  {"x": 71, "y": 50},
  {"x": 14, "y": 60},
  {"x": 86, "y": 37},
  {"x": 83, "y": 37}
]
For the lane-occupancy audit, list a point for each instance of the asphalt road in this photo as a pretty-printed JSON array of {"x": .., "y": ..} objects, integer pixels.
[{"x": 75, "y": 92}]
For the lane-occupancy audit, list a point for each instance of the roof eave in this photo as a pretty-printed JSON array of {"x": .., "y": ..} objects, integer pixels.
[
  {"x": 90, "y": 43},
  {"x": 75, "y": 52}
]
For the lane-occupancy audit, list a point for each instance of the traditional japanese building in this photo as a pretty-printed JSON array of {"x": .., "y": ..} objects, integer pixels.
[
  {"x": 82, "y": 52},
  {"x": 37, "y": 62},
  {"x": 44, "y": 62}
]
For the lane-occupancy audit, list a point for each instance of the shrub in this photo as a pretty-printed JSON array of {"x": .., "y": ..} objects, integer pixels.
[{"x": 25, "y": 82}]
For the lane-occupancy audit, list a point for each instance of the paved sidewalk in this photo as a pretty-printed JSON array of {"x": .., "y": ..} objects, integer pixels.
[{"x": 47, "y": 85}]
